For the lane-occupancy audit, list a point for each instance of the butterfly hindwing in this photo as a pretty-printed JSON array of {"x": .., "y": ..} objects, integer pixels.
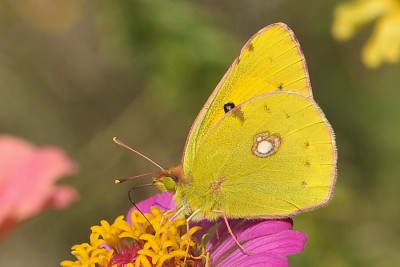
[{"x": 272, "y": 156}]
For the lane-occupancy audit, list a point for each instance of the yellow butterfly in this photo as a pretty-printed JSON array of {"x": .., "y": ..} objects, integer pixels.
[{"x": 260, "y": 147}]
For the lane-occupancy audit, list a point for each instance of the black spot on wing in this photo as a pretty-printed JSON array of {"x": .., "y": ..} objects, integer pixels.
[{"x": 229, "y": 106}]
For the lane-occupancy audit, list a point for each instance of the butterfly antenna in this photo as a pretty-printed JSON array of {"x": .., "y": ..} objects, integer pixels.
[
  {"x": 119, "y": 142},
  {"x": 133, "y": 203},
  {"x": 118, "y": 181}
]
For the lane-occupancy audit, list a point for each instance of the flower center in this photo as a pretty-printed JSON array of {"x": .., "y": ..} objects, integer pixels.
[{"x": 127, "y": 255}]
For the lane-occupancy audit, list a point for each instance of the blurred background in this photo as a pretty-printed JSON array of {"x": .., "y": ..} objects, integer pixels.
[{"x": 76, "y": 73}]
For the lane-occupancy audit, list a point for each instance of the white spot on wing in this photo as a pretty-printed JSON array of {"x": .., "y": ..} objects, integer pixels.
[
  {"x": 266, "y": 144},
  {"x": 264, "y": 147}
]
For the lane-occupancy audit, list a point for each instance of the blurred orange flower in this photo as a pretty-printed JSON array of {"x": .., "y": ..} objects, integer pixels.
[
  {"x": 384, "y": 44},
  {"x": 27, "y": 181}
]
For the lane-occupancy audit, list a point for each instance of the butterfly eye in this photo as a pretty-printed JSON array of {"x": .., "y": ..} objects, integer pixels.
[
  {"x": 228, "y": 106},
  {"x": 266, "y": 145},
  {"x": 166, "y": 184}
]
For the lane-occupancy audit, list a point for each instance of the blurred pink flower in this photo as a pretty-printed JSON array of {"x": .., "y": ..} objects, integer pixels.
[{"x": 27, "y": 180}]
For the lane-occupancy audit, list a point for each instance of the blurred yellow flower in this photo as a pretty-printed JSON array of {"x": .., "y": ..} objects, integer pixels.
[{"x": 384, "y": 44}]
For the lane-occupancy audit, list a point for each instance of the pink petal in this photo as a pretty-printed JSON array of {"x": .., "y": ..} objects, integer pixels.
[
  {"x": 280, "y": 244},
  {"x": 265, "y": 260},
  {"x": 251, "y": 229},
  {"x": 27, "y": 180},
  {"x": 163, "y": 201},
  {"x": 266, "y": 239},
  {"x": 247, "y": 230}
]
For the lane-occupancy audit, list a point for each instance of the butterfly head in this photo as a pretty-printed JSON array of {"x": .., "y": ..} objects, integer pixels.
[{"x": 168, "y": 180}]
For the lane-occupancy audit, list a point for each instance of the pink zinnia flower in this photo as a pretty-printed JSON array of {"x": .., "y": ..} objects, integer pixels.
[
  {"x": 27, "y": 180},
  {"x": 133, "y": 242}
]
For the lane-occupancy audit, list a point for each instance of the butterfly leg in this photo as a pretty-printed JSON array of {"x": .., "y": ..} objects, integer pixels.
[
  {"x": 248, "y": 252},
  {"x": 177, "y": 213}
]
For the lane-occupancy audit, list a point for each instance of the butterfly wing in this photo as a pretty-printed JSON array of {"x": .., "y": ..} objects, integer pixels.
[
  {"x": 271, "y": 157},
  {"x": 271, "y": 60}
]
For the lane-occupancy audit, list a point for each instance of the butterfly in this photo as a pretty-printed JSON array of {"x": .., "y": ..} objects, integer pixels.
[{"x": 260, "y": 147}]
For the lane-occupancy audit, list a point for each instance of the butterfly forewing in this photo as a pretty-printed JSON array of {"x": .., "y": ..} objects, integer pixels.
[{"x": 270, "y": 61}]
